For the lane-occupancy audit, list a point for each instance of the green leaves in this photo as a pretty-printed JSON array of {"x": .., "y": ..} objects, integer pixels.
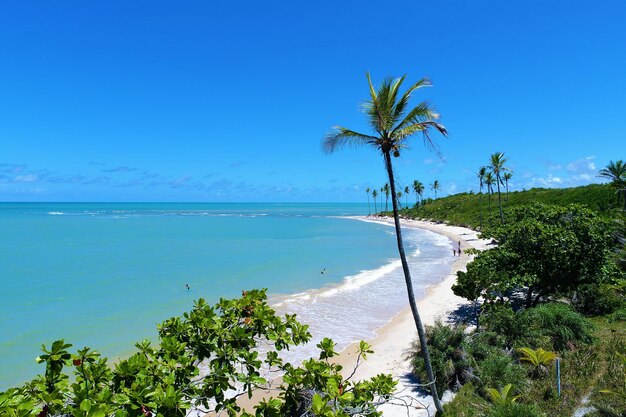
[
  {"x": 503, "y": 396},
  {"x": 388, "y": 117},
  {"x": 543, "y": 250},
  {"x": 164, "y": 378},
  {"x": 538, "y": 357}
]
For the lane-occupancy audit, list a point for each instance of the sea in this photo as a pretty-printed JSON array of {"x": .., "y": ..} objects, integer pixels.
[{"x": 104, "y": 274}]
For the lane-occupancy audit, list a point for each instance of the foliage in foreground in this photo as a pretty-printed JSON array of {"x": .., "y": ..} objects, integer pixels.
[{"x": 165, "y": 380}]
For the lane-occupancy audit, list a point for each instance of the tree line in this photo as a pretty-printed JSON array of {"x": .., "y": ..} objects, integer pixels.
[{"x": 417, "y": 188}]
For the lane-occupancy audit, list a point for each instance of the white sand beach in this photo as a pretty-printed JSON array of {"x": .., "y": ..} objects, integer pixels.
[{"x": 395, "y": 338}]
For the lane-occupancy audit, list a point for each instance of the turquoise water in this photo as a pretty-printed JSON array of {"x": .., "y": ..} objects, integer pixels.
[{"x": 102, "y": 275}]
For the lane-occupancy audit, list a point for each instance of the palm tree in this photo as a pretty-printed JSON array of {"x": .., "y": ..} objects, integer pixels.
[
  {"x": 435, "y": 186},
  {"x": 375, "y": 194},
  {"x": 489, "y": 180},
  {"x": 393, "y": 125},
  {"x": 406, "y": 196},
  {"x": 481, "y": 178},
  {"x": 496, "y": 164},
  {"x": 616, "y": 172},
  {"x": 369, "y": 210},
  {"x": 507, "y": 176},
  {"x": 418, "y": 187},
  {"x": 386, "y": 191}
]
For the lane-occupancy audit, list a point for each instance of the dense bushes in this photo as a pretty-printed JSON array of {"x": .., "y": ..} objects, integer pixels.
[
  {"x": 552, "y": 326},
  {"x": 490, "y": 359},
  {"x": 514, "y": 410},
  {"x": 447, "y": 354},
  {"x": 498, "y": 370},
  {"x": 546, "y": 251}
]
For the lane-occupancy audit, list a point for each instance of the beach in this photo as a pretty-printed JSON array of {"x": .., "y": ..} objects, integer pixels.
[{"x": 394, "y": 339}]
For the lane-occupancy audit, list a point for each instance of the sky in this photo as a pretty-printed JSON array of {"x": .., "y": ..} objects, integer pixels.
[{"x": 229, "y": 100}]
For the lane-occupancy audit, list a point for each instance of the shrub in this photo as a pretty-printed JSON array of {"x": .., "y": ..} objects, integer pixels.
[
  {"x": 449, "y": 360},
  {"x": 513, "y": 410},
  {"x": 596, "y": 300},
  {"x": 481, "y": 345},
  {"x": 466, "y": 403},
  {"x": 551, "y": 326},
  {"x": 561, "y": 323},
  {"x": 499, "y": 370},
  {"x": 540, "y": 359}
]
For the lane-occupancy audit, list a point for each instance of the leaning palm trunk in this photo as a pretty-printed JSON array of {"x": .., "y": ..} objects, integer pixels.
[{"x": 409, "y": 286}]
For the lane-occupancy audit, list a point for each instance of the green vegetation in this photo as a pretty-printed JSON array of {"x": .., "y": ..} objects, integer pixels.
[
  {"x": 393, "y": 124},
  {"x": 558, "y": 256},
  {"x": 164, "y": 379},
  {"x": 543, "y": 251},
  {"x": 464, "y": 209}
]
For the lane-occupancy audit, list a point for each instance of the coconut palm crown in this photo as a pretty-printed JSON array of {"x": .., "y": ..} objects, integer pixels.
[
  {"x": 496, "y": 164},
  {"x": 393, "y": 123},
  {"x": 418, "y": 189},
  {"x": 616, "y": 172}
]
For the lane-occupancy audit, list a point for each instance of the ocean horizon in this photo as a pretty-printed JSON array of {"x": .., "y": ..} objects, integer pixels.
[{"x": 104, "y": 274}]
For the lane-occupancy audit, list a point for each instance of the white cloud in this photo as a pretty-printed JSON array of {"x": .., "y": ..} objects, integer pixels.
[
  {"x": 26, "y": 178},
  {"x": 582, "y": 165}
]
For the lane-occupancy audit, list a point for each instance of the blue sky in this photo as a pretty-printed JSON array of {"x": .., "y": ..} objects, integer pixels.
[{"x": 228, "y": 101}]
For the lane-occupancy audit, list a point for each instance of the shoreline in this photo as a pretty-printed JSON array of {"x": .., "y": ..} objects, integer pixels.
[{"x": 395, "y": 338}]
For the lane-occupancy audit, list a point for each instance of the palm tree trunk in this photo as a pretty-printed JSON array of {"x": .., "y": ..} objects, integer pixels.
[
  {"x": 489, "y": 192},
  {"x": 369, "y": 209},
  {"x": 409, "y": 288},
  {"x": 375, "y": 209},
  {"x": 499, "y": 200},
  {"x": 480, "y": 203},
  {"x": 507, "y": 191}
]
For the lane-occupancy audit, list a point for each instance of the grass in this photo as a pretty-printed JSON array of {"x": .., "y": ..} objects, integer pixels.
[{"x": 585, "y": 370}]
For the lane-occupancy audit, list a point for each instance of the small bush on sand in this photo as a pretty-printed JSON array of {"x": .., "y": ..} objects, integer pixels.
[{"x": 450, "y": 361}]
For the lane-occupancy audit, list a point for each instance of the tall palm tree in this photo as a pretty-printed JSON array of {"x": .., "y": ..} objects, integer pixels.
[
  {"x": 496, "y": 165},
  {"x": 418, "y": 189},
  {"x": 435, "y": 186},
  {"x": 406, "y": 196},
  {"x": 369, "y": 210},
  {"x": 481, "y": 179},
  {"x": 393, "y": 124},
  {"x": 375, "y": 194},
  {"x": 399, "y": 194},
  {"x": 386, "y": 190},
  {"x": 489, "y": 181},
  {"x": 616, "y": 172},
  {"x": 506, "y": 177}
]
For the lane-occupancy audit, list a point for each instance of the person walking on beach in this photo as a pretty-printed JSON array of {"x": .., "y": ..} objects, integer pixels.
[{"x": 453, "y": 252}]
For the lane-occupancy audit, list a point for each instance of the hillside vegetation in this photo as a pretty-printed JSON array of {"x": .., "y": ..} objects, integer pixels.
[{"x": 464, "y": 209}]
